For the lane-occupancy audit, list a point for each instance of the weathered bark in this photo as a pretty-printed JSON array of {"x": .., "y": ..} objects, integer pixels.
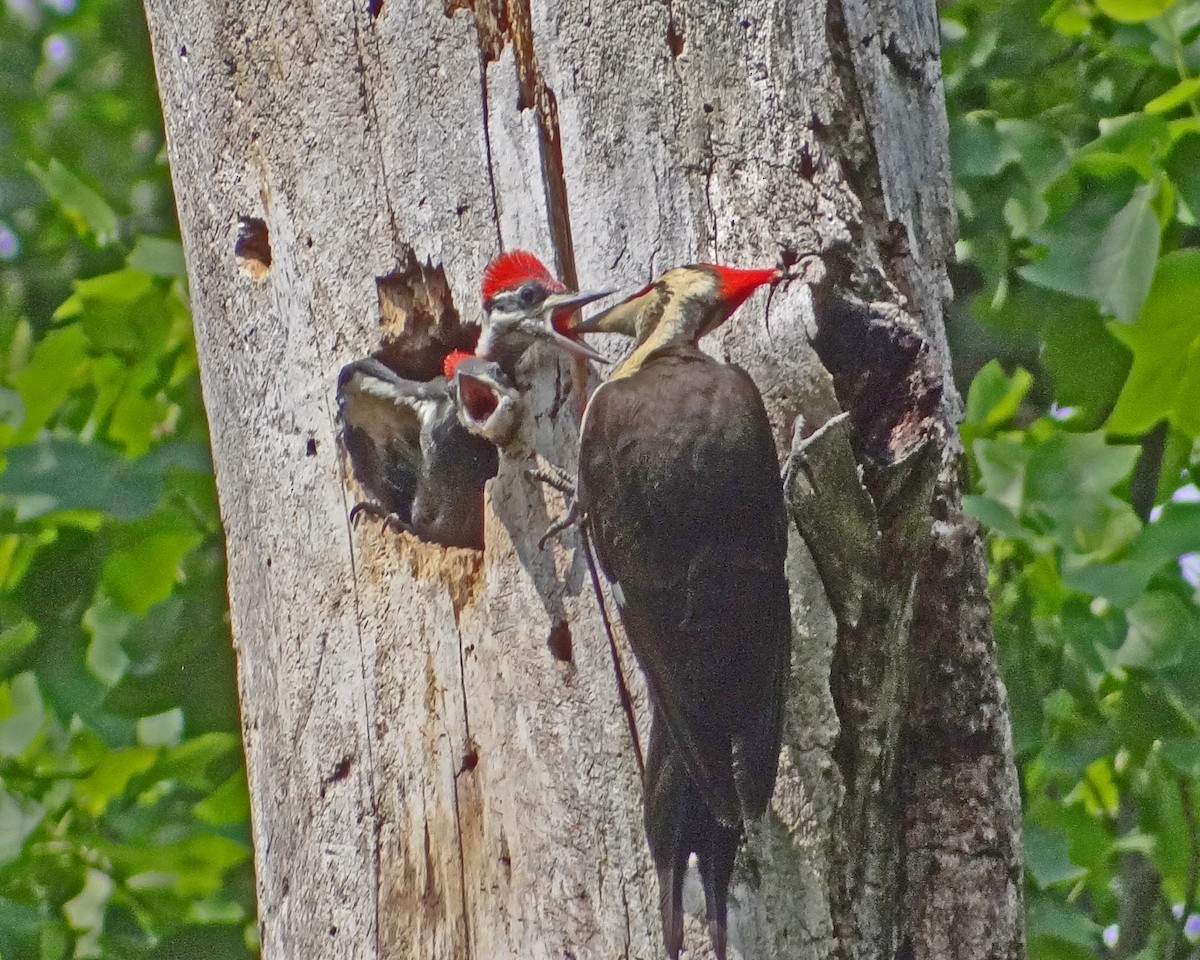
[{"x": 439, "y": 764}]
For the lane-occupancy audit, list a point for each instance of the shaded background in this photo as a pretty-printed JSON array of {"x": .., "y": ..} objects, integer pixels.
[{"x": 1076, "y": 335}]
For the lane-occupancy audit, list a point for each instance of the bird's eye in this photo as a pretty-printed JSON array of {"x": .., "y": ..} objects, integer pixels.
[{"x": 530, "y": 295}]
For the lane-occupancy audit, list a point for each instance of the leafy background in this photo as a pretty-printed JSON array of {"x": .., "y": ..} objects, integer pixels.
[
  {"x": 1075, "y": 138},
  {"x": 1076, "y": 335},
  {"x": 123, "y": 808}
]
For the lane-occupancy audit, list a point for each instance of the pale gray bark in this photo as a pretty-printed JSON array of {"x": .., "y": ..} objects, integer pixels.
[{"x": 429, "y": 777}]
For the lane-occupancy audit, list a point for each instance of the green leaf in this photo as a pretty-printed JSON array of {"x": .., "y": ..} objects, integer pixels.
[
  {"x": 1131, "y": 142},
  {"x": 88, "y": 212},
  {"x": 1046, "y": 857},
  {"x": 1133, "y": 11},
  {"x": 1123, "y": 267},
  {"x": 1184, "y": 755},
  {"x": 1164, "y": 381},
  {"x": 1161, "y": 542},
  {"x": 1086, "y": 362},
  {"x": 1183, "y": 167},
  {"x": 1161, "y": 627},
  {"x": 108, "y": 625},
  {"x": 21, "y": 714},
  {"x": 1042, "y": 150},
  {"x": 55, "y": 941},
  {"x": 1177, "y": 96},
  {"x": 192, "y": 761},
  {"x": 1148, "y": 713},
  {"x": 1047, "y": 916},
  {"x": 144, "y": 568},
  {"x": 124, "y": 312},
  {"x": 1134, "y": 842},
  {"x": 19, "y": 817},
  {"x": 158, "y": 257},
  {"x": 1002, "y": 464},
  {"x": 162, "y": 729},
  {"x": 976, "y": 149},
  {"x": 1068, "y": 478},
  {"x": 49, "y": 377},
  {"x": 229, "y": 803},
  {"x": 64, "y": 474},
  {"x": 196, "y": 864},
  {"x": 111, "y": 776},
  {"x": 1072, "y": 238},
  {"x": 993, "y": 515},
  {"x": 994, "y": 397}
]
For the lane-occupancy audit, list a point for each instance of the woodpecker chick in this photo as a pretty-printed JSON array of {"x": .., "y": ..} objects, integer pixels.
[
  {"x": 679, "y": 479},
  {"x": 423, "y": 470},
  {"x": 524, "y": 304},
  {"x": 488, "y": 404}
]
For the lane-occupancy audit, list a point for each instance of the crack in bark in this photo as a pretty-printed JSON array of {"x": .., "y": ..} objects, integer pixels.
[
  {"x": 488, "y": 33},
  {"x": 462, "y": 870},
  {"x": 371, "y": 113},
  {"x": 498, "y": 22},
  {"x": 487, "y": 144},
  {"x": 372, "y": 803}
]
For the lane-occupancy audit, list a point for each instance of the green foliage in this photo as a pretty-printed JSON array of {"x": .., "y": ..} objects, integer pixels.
[
  {"x": 123, "y": 807},
  {"x": 1076, "y": 145}
]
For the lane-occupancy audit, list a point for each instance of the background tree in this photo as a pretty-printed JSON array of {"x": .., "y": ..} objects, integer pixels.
[
  {"x": 1078, "y": 200},
  {"x": 448, "y": 721},
  {"x": 122, "y": 795},
  {"x": 1062, "y": 116}
]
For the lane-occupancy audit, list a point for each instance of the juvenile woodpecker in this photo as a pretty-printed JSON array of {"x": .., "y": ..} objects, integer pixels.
[
  {"x": 488, "y": 403},
  {"x": 423, "y": 450},
  {"x": 679, "y": 479},
  {"x": 523, "y": 304},
  {"x": 423, "y": 470}
]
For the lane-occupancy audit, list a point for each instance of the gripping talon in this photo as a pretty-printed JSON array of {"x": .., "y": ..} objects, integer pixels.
[
  {"x": 370, "y": 507},
  {"x": 554, "y": 477},
  {"x": 558, "y": 479},
  {"x": 567, "y": 520}
]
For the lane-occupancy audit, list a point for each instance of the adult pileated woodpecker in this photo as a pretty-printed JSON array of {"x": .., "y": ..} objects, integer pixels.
[
  {"x": 423, "y": 450},
  {"x": 679, "y": 480}
]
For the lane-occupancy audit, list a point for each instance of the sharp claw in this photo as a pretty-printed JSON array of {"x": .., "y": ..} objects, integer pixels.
[
  {"x": 567, "y": 520},
  {"x": 554, "y": 477},
  {"x": 370, "y": 507}
]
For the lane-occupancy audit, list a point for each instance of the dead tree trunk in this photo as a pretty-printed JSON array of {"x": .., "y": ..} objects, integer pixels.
[{"x": 438, "y": 762}]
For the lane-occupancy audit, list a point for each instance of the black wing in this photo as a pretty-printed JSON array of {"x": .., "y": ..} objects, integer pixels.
[
  {"x": 679, "y": 476},
  {"x": 412, "y": 455},
  {"x": 381, "y": 428}
]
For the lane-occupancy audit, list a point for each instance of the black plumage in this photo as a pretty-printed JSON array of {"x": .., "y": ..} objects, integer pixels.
[
  {"x": 679, "y": 478},
  {"x": 421, "y": 468}
]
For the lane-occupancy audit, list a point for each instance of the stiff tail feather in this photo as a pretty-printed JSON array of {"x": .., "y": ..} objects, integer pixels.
[{"x": 678, "y": 824}]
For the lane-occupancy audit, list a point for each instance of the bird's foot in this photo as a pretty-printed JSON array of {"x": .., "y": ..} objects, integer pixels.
[
  {"x": 377, "y": 510},
  {"x": 554, "y": 477},
  {"x": 565, "y": 522},
  {"x": 558, "y": 479}
]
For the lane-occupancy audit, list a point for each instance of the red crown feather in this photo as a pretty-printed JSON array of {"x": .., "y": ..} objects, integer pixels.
[
  {"x": 451, "y": 361},
  {"x": 737, "y": 285},
  {"x": 510, "y": 270}
]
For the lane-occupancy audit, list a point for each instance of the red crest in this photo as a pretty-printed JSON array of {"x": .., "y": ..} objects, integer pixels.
[
  {"x": 451, "y": 362},
  {"x": 511, "y": 269},
  {"x": 737, "y": 285}
]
